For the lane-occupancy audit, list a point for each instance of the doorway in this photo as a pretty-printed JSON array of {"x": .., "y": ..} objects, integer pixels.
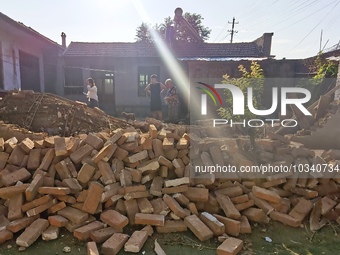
[
  {"x": 29, "y": 72},
  {"x": 105, "y": 83}
]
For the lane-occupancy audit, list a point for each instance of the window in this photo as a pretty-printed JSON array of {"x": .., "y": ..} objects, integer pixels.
[
  {"x": 144, "y": 73},
  {"x": 73, "y": 81}
]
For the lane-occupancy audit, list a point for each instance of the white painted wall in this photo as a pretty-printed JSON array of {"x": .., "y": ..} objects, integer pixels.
[{"x": 13, "y": 40}]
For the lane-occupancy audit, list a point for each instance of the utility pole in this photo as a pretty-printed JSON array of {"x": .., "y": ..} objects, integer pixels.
[{"x": 232, "y": 29}]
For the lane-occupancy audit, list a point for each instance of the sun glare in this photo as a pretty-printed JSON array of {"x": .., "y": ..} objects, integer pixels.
[{"x": 178, "y": 75}]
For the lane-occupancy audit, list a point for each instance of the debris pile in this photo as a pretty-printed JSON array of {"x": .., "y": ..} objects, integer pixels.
[
  {"x": 41, "y": 112},
  {"x": 97, "y": 184}
]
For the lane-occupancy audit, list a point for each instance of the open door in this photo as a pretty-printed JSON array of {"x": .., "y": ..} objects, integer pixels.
[{"x": 105, "y": 83}]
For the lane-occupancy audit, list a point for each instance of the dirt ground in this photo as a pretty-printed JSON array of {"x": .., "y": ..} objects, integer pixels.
[{"x": 285, "y": 241}]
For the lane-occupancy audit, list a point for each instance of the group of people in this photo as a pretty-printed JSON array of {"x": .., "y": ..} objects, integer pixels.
[{"x": 155, "y": 89}]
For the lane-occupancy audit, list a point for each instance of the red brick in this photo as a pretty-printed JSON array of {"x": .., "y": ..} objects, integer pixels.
[
  {"x": 39, "y": 209},
  {"x": 34, "y": 159},
  {"x": 85, "y": 174},
  {"x": 74, "y": 215},
  {"x": 327, "y": 205},
  {"x": 232, "y": 227},
  {"x": 73, "y": 184},
  {"x": 231, "y": 192},
  {"x": 60, "y": 146},
  {"x": 5, "y": 235},
  {"x": 93, "y": 198},
  {"x": 231, "y": 246},
  {"x": 245, "y": 227},
  {"x": 81, "y": 153},
  {"x": 19, "y": 224},
  {"x": 63, "y": 170},
  {"x": 159, "y": 206},
  {"x": 14, "y": 207},
  {"x": 66, "y": 199},
  {"x": 105, "y": 153},
  {"x": 301, "y": 210},
  {"x": 213, "y": 223},
  {"x": 7, "y": 192},
  {"x": 245, "y": 205},
  {"x": 265, "y": 194},
  {"x": 171, "y": 226},
  {"x": 83, "y": 233},
  {"x": 18, "y": 175},
  {"x": 16, "y": 156},
  {"x": 32, "y": 191},
  {"x": 136, "y": 194},
  {"x": 173, "y": 190},
  {"x": 106, "y": 172},
  {"x": 149, "y": 219},
  {"x": 148, "y": 229},
  {"x": 144, "y": 205},
  {"x": 197, "y": 194},
  {"x": 120, "y": 153},
  {"x": 51, "y": 233},
  {"x": 101, "y": 235},
  {"x": 256, "y": 215},
  {"x": 36, "y": 202},
  {"x": 114, "y": 219},
  {"x": 201, "y": 231},
  {"x": 136, "y": 241},
  {"x": 26, "y": 145},
  {"x": 114, "y": 244},
  {"x": 57, "y": 220},
  {"x": 174, "y": 206},
  {"x": 131, "y": 209},
  {"x": 285, "y": 219},
  {"x": 57, "y": 207},
  {"x": 92, "y": 248},
  {"x": 32, "y": 233},
  {"x": 47, "y": 160},
  {"x": 3, "y": 159},
  {"x": 153, "y": 133},
  {"x": 54, "y": 190},
  {"x": 228, "y": 207},
  {"x": 94, "y": 141},
  {"x": 262, "y": 204}
]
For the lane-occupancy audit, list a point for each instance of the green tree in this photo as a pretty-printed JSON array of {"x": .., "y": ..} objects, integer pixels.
[
  {"x": 182, "y": 34},
  {"x": 253, "y": 78}
]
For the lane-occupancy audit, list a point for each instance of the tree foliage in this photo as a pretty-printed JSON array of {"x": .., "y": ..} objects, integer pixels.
[
  {"x": 182, "y": 34},
  {"x": 253, "y": 78}
]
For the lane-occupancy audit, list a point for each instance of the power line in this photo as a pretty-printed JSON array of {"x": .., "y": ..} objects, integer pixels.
[{"x": 316, "y": 25}]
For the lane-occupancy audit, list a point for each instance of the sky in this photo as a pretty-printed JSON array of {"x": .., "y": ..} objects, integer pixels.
[{"x": 297, "y": 24}]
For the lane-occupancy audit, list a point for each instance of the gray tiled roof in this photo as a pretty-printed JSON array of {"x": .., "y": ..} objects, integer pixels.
[{"x": 180, "y": 50}]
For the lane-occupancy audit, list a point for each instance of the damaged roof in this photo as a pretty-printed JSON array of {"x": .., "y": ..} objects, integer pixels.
[{"x": 180, "y": 50}]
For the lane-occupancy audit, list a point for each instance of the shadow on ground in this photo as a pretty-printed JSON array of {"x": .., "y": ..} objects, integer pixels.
[{"x": 285, "y": 241}]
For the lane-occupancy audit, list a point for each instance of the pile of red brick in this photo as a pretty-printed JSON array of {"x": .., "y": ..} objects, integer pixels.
[{"x": 95, "y": 185}]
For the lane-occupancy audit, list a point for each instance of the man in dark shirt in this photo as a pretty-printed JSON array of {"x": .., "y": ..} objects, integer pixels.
[{"x": 155, "y": 89}]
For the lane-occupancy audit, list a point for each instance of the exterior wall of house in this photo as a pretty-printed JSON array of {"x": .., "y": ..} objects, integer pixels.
[
  {"x": 125, "y": 71},
  {"x": 12, "y": 42}
]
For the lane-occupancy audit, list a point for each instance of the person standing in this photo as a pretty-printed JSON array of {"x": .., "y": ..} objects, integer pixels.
[
  {"x": 155, "y": 89},
  {"x": 172, "y": 101},
  {"x": 92, "y": 93}
]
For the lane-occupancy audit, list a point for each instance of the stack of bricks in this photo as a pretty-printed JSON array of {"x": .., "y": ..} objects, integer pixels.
[{"x": 97, "y": 184}]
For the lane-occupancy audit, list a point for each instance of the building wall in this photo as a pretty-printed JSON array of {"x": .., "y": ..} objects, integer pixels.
[
  {"x": 12, "y": 41},
  {"x": 125, "y": 79}
]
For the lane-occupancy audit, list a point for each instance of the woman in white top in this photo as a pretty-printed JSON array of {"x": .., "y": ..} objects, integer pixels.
[{"x": 92, "y": 93}]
